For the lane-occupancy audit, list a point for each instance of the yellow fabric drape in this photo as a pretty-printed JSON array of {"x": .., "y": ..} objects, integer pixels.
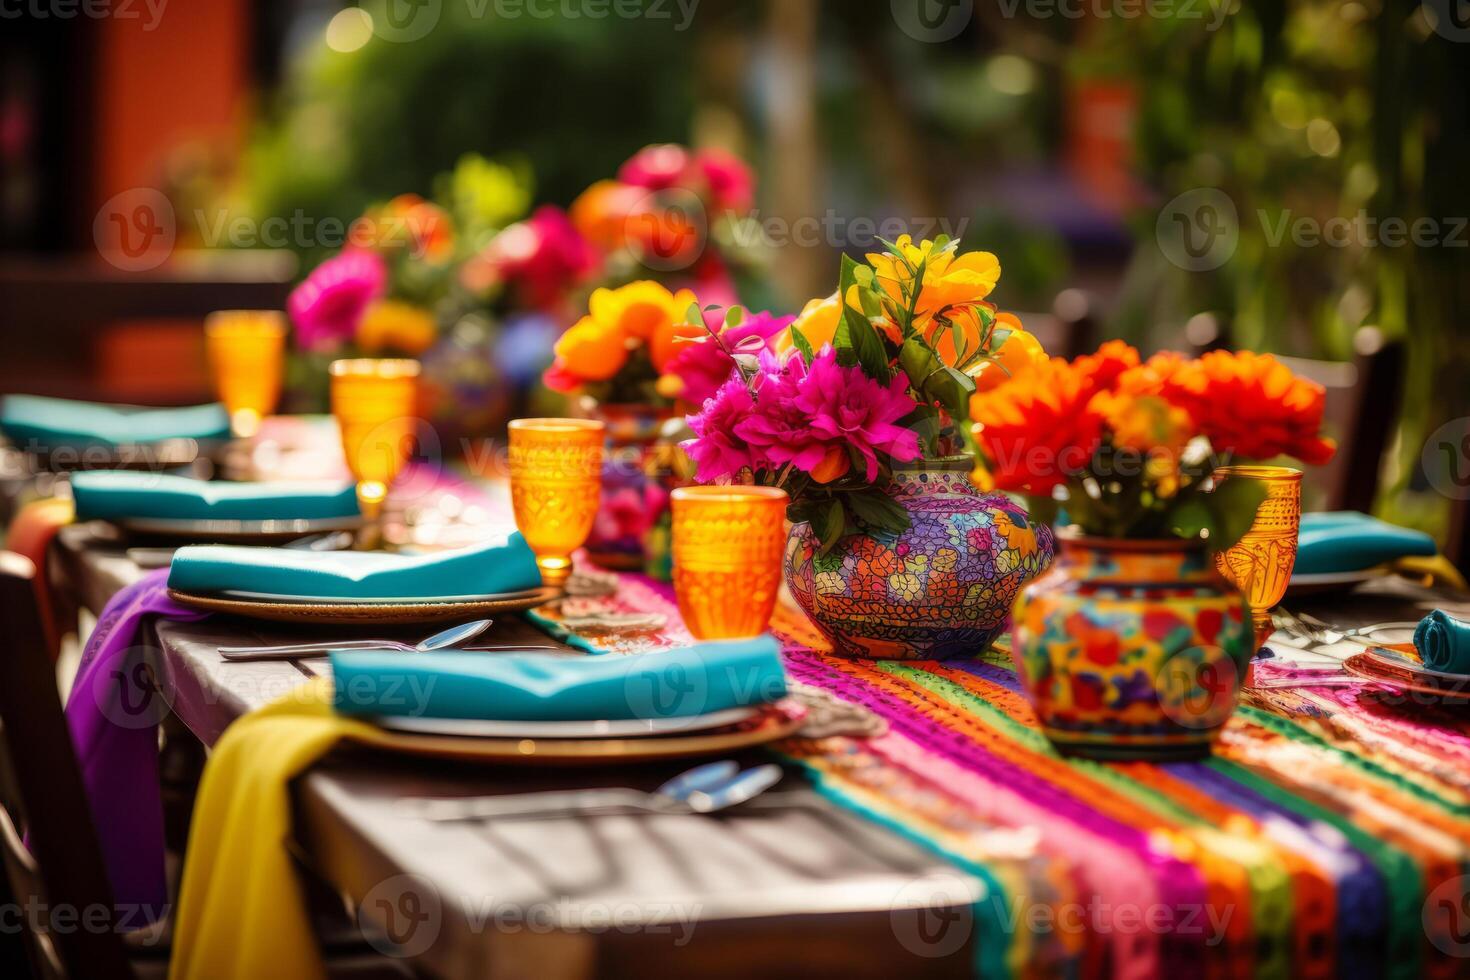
[{"x": 240, "y": 912}]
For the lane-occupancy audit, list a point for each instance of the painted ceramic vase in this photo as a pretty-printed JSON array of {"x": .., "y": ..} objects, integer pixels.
[
  {"x": 1131, "y": 649},
  {"x": 943, "y": 588},
  {"x": 631, "y": 530}
]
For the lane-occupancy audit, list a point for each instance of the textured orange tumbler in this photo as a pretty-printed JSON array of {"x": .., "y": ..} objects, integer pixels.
[
  {"x": 247, "y": 355},
  {"x": 1260, "y": 563},
  {"x": 375, "y": 403},
  {"x": 728, "y": 543},
  {"x": 555, "y": 487}
]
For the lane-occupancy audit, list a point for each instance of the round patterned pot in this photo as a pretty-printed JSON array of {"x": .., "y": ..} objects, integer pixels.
[
  {"x": 1131, "y": 649},
  {"x": 943, "y": 588}
]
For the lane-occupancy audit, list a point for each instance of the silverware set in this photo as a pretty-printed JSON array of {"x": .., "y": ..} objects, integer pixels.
[{"x": 454, "y": 638}]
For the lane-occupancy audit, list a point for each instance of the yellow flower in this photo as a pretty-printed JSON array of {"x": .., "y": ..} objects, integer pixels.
[
  {"x": 817, "y": 322},
  {"x": 950, "y": 281},
  {"x": 640, "y": 309},
  {"x": 592, "y": 350},
  {"x": 392, "y": 325}
]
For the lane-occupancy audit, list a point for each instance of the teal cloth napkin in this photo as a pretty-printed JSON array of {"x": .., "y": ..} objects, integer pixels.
[
  {"x": 1443, "y": 643},
  {"x": 117, "y": 494},
  {"x": 1347, "y": 541},
  {"x": 679, "y": 683},
  {"x": 51, "y": 422},
  {"x": 483, "y": 570}
]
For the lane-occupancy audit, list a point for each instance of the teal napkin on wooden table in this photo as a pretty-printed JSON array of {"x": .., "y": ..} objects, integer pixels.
[
  {"x": 1347, "y": 541},
  {"x": 483, "y": 570},
  {"x": 1443, "y": 643},
  {"x": 678, "y": 683},
  {"x": 120, "y": 494},
  {"x": 47, "y": 423}
]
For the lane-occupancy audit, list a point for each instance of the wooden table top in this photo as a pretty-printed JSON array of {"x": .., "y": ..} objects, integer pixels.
[{"x": 789, "y": 884}]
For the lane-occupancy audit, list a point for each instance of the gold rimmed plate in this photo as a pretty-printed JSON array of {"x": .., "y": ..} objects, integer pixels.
[
  {"x": 367, "y": 612},
  {"x": 234, "y": 532},
  {"x": 611, "y": 728},
  {"x": 1321, "y": 583},
  {"x": 773, "y": 722}
]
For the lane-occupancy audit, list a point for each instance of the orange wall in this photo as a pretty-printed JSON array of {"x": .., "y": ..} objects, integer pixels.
[{"x": 184, "y": 79}]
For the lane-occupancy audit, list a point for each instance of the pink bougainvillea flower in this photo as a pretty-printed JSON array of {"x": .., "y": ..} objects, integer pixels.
[
  {"x": 542, "y": 257},
  {"x": 329, "y": 304},
  {"x": 656, "y": 167},
  {"x": 718, "y": 450},
  {"x": 731, "y": 185},
  {"x": 847, "y": 406},
  {"x": 702, "y": 365}
]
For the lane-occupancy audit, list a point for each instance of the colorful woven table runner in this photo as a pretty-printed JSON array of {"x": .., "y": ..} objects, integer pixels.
[{"x": 1328, "y": 836}]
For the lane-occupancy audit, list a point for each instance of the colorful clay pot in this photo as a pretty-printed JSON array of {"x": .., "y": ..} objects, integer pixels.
[
  {"x": 943, "y": 588},
  {"x": 1131, "y": 649},
  {"x": 631, "y": 531}
]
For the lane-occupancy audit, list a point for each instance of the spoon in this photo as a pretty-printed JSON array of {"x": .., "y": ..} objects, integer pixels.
[{"x": 451, "y": 638}]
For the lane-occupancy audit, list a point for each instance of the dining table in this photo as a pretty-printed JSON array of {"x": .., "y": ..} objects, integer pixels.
[{"x": 1317, "y": 841}]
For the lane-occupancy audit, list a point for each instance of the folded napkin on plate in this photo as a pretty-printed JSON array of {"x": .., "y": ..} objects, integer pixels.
[
  {"x": 482, "y": 570},
  {"x": 679, "y": 683},
  {"x": 116, "y": 494},
  {"x": 1347, "y": 541},
  {"x": 1443, "y": 643},
  {"x": 48, "y": 423}
]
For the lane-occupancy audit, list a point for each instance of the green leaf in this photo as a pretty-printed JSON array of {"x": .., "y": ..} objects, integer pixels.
[
  {"x": 803, "y": 346},
  {"x": 952, "y": 388},
  {"x": 857, "y": 334},
  {"x": 1233, "y": 505},
  {"x": 879, "y": 511},
  {"x": 830, "y": 525},
  {"x": 733, "y": 316},
  {"x": 917, "y": 360},
  {"x": 694, "y": 314}
]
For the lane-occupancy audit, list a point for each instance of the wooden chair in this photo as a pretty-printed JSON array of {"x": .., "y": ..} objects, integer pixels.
[
  {"x": 1363, "y": 400},
  {"x": 1069, "y": 329},
  {"x": 62, "y": 870}
]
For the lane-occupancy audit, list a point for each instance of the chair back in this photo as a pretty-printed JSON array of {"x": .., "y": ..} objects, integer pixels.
[
  {"x": 59, "y": 881},
  {"x": 1363, "y": 397}
]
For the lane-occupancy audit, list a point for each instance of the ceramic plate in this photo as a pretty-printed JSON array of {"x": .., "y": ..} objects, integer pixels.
[
  {"x": 770, "y": 723},
  {"x": 344, "y": 612},
  {"x": 385, "y": 600},
  {"x": 1398, "y": 673},
  {"x": 626, "y": 728},
  {"x": 1332, "y": 581},
  {"x": 235, "y": 531}
]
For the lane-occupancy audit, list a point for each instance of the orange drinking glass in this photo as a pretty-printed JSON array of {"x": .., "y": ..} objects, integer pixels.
[
  {"x": 375, "y": 404},
  {"x": 247, "y": 355},
  {"x": 728, "y": 543},
  {"x": 555, "y": 487},
  {"x": 1260, "y": 563}
]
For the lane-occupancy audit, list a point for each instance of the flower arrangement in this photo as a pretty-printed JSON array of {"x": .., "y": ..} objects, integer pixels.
[
  {"x": 877, "y": 375},
  {"x": 1127, "y": 447}
]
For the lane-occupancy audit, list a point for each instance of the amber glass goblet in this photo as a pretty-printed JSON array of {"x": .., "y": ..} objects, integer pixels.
[
  {"x": 555, "y": 487},
  {"x": 375, "y": 403},
  {"x": 728, "y": 543},
  {"x": 1260, "y": 563},
  {"x": 247, "y": 356}
]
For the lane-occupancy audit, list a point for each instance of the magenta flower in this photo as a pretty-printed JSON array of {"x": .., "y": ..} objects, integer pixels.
[
  {"x": 704, "y": 366},
  {"x": 718, "y": 450},
  {"x": 731, "y": 186},
  {"x": 656, "y": 167},
  {"x": 543, "y": 256},
  {"x": 778, "y": 429},
  {"x": 328, "y": 305},
  {"x": 844, "y": 404}
]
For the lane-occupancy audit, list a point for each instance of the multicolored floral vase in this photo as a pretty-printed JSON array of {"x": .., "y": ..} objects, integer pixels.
[
  {"x": 630, "y": 533},
  {"x": 1132, "y": 649},
  {"x": 943, "y": 588}
]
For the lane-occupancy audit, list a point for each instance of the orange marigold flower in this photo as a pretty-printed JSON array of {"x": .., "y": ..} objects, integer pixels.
[
  {"x": 1040, "y": 430},
  {"x": 591, "y": 350},
  {"x": 1252, "y": 405},
  {"x": 1102, "y": 369}
]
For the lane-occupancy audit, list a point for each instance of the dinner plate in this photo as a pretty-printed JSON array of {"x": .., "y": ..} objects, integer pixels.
[
  {"x": 621, "y": 728},
  {"x": 366, "y": 612},
  {"x": 1405, "y": 677},
  {"x": 1392, "y": 659},
  {"x": 235, "y": 532},
  {"x": 385, "y": 600},
  {"x": 772, "y": 722},
  {"x": 1320, "y": 582}
]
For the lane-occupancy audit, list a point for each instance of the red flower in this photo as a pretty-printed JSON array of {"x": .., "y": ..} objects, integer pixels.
[
  {"x": 1038, "y": 430},
  {"x": 1252, "y": 405},
  {"x": 1102, "y": 369}
]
